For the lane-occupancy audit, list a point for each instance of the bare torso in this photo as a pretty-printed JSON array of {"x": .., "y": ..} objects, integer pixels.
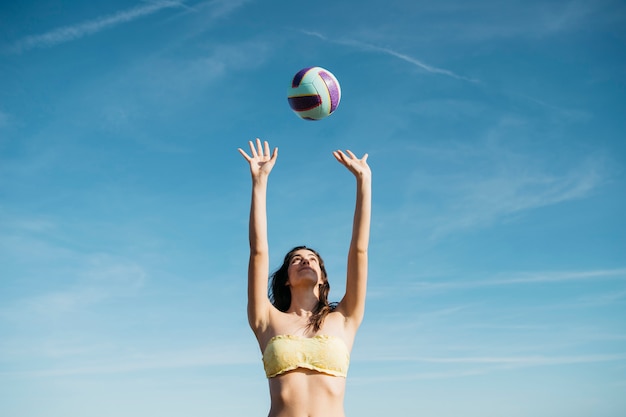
[{"x": 302, "y": 392}]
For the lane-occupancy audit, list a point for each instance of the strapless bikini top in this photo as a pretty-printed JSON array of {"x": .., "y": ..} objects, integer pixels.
[{"x": 325, "y": 354}]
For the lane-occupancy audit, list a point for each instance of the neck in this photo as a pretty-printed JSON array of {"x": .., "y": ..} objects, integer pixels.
[{"x": 303, "y": 303}]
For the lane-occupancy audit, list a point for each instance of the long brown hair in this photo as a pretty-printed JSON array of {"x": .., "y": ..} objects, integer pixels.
[{"x": 280, "y": 293}]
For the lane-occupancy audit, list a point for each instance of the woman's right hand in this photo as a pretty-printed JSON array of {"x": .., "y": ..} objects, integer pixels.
[{"x": 260, "y": 160}]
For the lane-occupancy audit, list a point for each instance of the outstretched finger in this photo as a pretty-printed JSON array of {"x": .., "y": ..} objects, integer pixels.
[
  {"x": 253, "y": 150},
  {"x": 266, "y": 147},
  {"x": 353, "y": 156},
  {"x": 339, "y": 156},
  {"x": 259, "y": 145},
  {"x": 244, "y": 154}
]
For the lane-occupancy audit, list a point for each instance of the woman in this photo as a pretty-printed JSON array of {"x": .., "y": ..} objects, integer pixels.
[{"x": 305, "y": 342}]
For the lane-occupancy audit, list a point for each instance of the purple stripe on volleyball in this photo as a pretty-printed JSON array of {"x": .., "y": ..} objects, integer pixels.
[
  {"x": 333, "y": 89},
  {"x": 304, "y": 103},
  {"x": 297, "y": 79}
]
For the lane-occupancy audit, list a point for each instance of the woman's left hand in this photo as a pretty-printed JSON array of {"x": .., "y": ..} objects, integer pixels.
[{"x": 357, "y": 166}]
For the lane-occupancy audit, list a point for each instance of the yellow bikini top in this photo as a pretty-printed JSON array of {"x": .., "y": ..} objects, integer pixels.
[{"x": 321, "y": 353}]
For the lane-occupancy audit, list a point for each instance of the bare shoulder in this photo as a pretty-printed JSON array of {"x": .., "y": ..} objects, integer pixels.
[
  {"x": 278, "y": 323},
  {"x": 337, "y": 324},
  {"x": 350, "y": 322}
]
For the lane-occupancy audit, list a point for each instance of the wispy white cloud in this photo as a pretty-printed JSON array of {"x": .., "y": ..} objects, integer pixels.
[
  {"x": 480, "y": 201},
  {"x": 604, "y": 298},
  {"x": 489, "y": 182},
  {"x": 527, "y": 278},
  {"x": 484, "y": 365},
  {"x": 474, "y": 200},
  {"x": 220, "y": 8},
  {"x": 414, "y": 61},
  {"x": 149, "y": 360},
  {"x": 90, "y": 27},
  {"x": 162, "y": 82},
  {"x": 413, "y": 376},
  {"x": 411, "y": 60},
  {"x": 215, "y": 9},
  {"x": 103, "y": 277},
  {"x": 499, "y": 20},
  {"x": 510, "y": 360}
]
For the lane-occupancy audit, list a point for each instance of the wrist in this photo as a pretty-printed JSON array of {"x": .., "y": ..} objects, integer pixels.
[
  {"x": 364, "y": 179},
  {"x": 260, "y": 180}
]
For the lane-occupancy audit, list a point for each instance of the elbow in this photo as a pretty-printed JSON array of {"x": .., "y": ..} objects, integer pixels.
[
  {"x": 258, "y": 251},
  {"x": 359, "y": 250}
]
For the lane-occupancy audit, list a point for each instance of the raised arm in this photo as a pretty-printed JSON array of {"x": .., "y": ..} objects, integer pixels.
[
  {"x": 353, "y": 303},
  {"x": 261, "y": 164}
]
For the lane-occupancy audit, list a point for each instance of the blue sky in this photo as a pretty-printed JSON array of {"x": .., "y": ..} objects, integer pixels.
[{"x": 496, "y": 135}]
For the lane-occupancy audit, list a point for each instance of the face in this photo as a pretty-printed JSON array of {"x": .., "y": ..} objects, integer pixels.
[{"x": 304, "y": 265}]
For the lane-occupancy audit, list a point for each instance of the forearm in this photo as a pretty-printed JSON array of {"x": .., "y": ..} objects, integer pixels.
[
  {"x": 362, "y": 216},
  {"x": 258, "y": 217}
]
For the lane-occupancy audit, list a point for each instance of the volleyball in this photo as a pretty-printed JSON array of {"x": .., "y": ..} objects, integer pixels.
[{"x": 314, "y": 93}]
